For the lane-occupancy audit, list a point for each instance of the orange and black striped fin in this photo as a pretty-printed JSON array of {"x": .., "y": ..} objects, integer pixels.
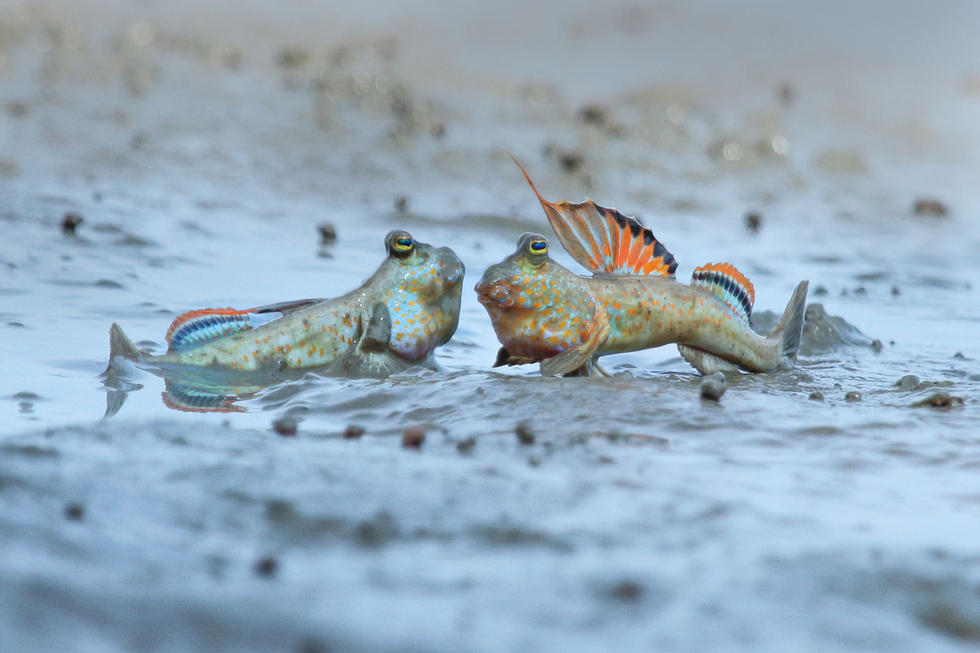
[
  {"x": 729, "y": 285},
  {"x": 204, "y": 325},
  {"x": 604, "y": 240}
]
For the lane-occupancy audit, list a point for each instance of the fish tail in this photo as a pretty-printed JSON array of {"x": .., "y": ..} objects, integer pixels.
[
  {"x": 790, "y": 328},
  {"x": 121, "y": 346}
]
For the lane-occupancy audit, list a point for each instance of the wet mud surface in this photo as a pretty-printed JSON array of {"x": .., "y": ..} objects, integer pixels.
[{"x": 159, "y": 159}]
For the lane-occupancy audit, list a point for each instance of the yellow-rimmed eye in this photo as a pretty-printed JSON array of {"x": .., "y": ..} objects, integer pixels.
[
  {"x": 537, "y": 247},
  {"x": 400, "y": 244}
]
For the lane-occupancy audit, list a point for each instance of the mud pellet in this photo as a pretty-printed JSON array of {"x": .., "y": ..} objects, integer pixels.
[
  {"x": 266, "y": 567},
  {"x": 401, "y": 203},
  {"x": 815, "y": 396},
  {"x": 74, "y": 511},
  {"x": 328, "y": 233},
  {"x": 713, "y": 386},
  {"x": 626, "y": 590},
  {"x": 940, "y": 401},
  {"x": 70, "y": 222},
  {"x": 930, "y": 206},
  {"x": 525, "y": 435},
  {"x": 466, "y": 445},
  {"x": 413, "y": 437},
  {"x": 908, "y": 382},
  {"x": 753, "y": 221},
  {"x": 285, "y": 426},
  {"x": 353, "y": 431},
  {"x": 853, "y": 395}
]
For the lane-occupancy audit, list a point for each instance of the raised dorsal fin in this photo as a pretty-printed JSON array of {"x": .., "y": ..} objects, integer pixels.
[
  {"x": 730, "y": 285},
  {"x": 604, "y": 240},
  {"x": 203, "y": 325}
]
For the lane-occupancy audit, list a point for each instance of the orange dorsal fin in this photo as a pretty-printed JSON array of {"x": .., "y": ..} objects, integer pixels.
[
  {"x": 729, "y": 285},
  {"x": 604, "y": 240}
]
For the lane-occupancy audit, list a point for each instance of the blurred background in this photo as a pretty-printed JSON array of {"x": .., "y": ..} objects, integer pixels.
[{"x": 161, "y": 156}]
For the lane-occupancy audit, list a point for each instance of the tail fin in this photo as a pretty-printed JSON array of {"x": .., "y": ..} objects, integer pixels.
[
  {"x": 790, "y": 327},
  {"x": 121, "y": 346}
]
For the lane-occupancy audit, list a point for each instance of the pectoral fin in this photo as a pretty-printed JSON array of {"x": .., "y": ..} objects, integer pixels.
[
  {"x": 377, "y": 334},
  {"x": 572, "y": 359}
]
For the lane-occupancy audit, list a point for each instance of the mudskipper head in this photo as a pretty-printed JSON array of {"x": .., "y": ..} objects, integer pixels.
[
  {"x": 538, "y": 308},
  {"x": 421, "y": 285}
]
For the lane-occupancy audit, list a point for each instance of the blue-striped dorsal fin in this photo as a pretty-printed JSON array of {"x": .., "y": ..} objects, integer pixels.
[
  {"x": 204, "y": 325},
  {"x": 604, "y": 240},
  {"x": 729, "y": 285}
]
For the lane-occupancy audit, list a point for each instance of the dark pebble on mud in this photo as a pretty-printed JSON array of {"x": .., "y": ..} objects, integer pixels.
[
  {"x": 753, "y": 221},
  {"x": 413, "y": 437},
  {"x": 896, "y": 291},
  {"x": 70, "y": 222},
  {"x": 571, "y": 161},
  {"x": 292, "y": 57},
  {"x": 524, "y": 433},
  {"x": 626, "y": 590},
  {"x": 713, "y": 386},
  {"x": 328, "y": 234},
  {"x": 959, "y": 356},
  {"x": 401, "y": 203},
  {"x": 876, "y": 345},
  {"x": 593, "y": 114},
  {"x": 815, "y": 396},
  {"x": 353, "y": 431},
  {"x": 940, "y": 400},
  {"x": 266, "y": 567},
  {"x": 285, "y": 426},
  {"x": 74, "y": 511},
  {"x": 439, "y": 129},
  {"x": 853, "y": 395},
  {"x": 908, "y": 382},
  {"x": 466, "y": 445},
  {"x": 930, "y": 206},
  {"x": 820, "y": 290},
  {"x": 534, "y": 460}
]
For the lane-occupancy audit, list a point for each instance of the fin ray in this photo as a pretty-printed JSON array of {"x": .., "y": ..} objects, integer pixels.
[{"x": 603, "y": 239}]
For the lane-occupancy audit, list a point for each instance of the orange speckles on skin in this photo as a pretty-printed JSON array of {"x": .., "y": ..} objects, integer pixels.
[
  {"x": 289, "y": 347},
  {"x": 245, "y": 357},
  {"x": 347, "y": 321},
  {"x": 279, "y": 348},
  {"x": 398, "y": 336},
  {"x": 299, "y": 361},
  {"x": 323, "y": 328},
  {"x": 616, "y": 306},
  {"x": 536, "y": 305}
]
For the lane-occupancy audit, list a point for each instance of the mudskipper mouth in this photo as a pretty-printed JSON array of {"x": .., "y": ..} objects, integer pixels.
[{"x": 495, "y": 294}]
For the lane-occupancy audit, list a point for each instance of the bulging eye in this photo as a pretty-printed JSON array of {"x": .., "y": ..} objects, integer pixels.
[
  {"x": 400, "y": 244},
  {"x": 538, "y": 247}
]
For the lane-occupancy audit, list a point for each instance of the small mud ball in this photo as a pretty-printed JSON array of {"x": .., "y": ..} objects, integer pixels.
[
  {"x": 713, "y": 386},
  {"x": 285, "y": 426},
  {"x": 328, "y": 234},
  {"x": 353, "y": 431},
  {"x": 70, "y": 222},
  {"x": 524, "y": 433},
  {"x": 413, "y": 437}
]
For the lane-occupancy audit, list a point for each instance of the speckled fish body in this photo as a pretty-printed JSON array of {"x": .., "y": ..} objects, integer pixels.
[
  {"x": 542, "y": 312},
  {"x": 394, "y": 320}
]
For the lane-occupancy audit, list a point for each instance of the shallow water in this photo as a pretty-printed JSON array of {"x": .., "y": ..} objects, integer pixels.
[{"x": 202, "y": 152}]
